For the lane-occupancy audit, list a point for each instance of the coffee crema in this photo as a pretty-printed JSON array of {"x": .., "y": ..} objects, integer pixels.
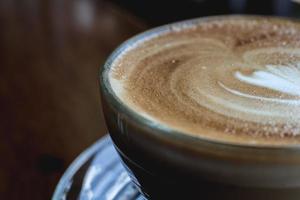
[{"x": 234, "y": 79}]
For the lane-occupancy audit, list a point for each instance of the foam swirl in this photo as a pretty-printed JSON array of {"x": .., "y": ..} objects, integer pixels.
[
  {"x": 285, "y": 79},
  {"x": 233, "y": 79}
]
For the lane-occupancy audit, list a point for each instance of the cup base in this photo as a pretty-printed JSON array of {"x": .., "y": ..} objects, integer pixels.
[{"x": 160, "y": 187}]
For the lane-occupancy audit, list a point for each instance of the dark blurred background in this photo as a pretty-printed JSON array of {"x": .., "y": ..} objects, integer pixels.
[{"x": 50, "y": 54}]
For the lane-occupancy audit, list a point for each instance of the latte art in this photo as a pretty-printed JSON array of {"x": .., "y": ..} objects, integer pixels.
[
  {"x": 285, "y": 79},
  {"x": 234, "y": 79}
]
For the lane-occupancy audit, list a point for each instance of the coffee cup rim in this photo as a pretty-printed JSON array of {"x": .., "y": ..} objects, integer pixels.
[{"x": 159, "y": 130}]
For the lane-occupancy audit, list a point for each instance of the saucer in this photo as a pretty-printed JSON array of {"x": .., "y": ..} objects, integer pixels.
[{"x": 97, "y": 174}]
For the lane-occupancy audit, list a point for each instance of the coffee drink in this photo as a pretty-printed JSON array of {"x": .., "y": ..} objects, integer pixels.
[
  {"x": 208, "y": 108},
  {"x": 233, "y": 79}
]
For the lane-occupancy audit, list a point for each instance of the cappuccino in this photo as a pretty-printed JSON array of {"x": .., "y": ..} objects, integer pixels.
[{"x": 234, "y": 79}]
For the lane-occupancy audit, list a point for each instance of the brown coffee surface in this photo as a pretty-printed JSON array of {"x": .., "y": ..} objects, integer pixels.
[{"x": 233, "y": 79}]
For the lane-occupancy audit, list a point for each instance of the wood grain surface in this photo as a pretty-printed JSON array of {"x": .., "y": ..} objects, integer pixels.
[{"x": 50, "y": 54}]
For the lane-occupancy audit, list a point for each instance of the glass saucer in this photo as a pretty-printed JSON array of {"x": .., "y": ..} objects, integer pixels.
[{"x": 97, "y": 174}]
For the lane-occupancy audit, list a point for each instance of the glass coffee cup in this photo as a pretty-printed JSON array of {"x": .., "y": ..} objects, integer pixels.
[{"x": 166, "y": 163}]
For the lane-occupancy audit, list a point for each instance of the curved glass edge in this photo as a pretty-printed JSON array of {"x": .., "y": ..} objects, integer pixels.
[
  {"x": 82, "y": 158},
  {"x": 164, "y": 130}
]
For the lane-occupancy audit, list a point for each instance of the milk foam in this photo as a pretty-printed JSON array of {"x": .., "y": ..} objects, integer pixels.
[
  {"x": 234, "y": 79},
  {"x": 285, "y": 79}
]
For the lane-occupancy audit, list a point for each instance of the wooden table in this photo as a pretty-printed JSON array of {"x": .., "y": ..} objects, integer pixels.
[{"x": 50, "y": 54}]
